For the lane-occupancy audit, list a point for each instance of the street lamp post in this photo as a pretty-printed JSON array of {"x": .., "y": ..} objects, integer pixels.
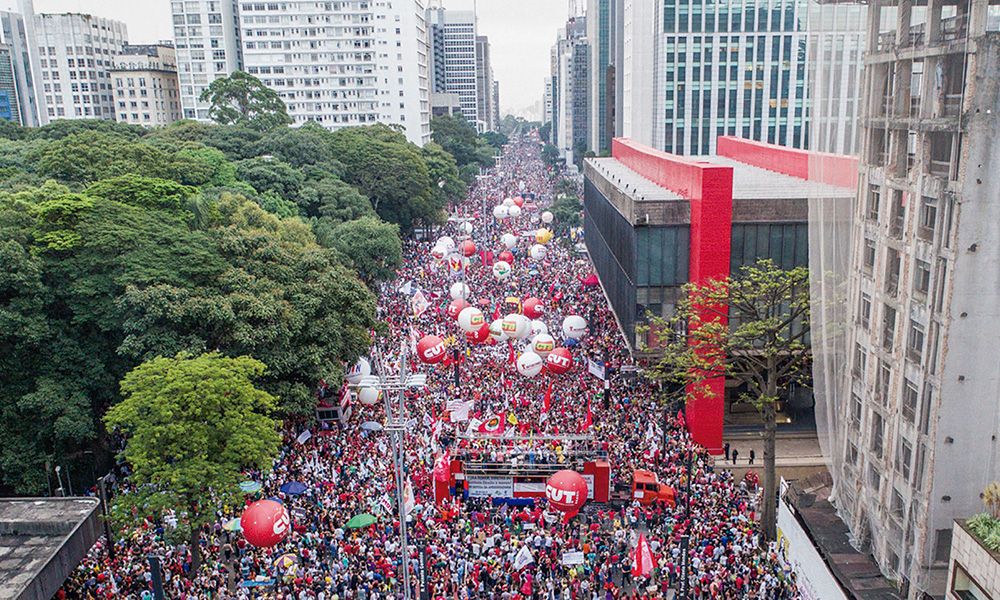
[
  {"x": 395, "y": 412},
  {"x": 686, "y": 560}
]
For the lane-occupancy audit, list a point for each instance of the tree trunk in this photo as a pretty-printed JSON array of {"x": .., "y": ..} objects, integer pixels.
[
  {"x": 195, "y": 552},
  {"x": 769, "y": 509}
]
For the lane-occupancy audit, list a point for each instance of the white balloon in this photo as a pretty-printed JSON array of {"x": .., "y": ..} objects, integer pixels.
[
  {"x": 500, "y": 212},
  {"x": 459, "y": 290},
  {"x": 509, "y": 240},
  {"x": 501, "y": 269},
  {"x": 574, "y": 326},
  {"x": 547, "y": 217},
  {"x": 466, "y": 228},
  {"x": 496, "y": 331},
  {"x": 470, "y": 319},
  {"x": 516, "y": 326},
  {"x": 543, "y": 344},
  {"x": 537, "y": 252},
  {"x": 362, "y": 369},
  {"x": 369, "y": 396},
  {"x": 538, "y": 327},
  {"x": 530, "y": 364},
  {"x": 514, "y": 211},
  {"x": 439, "y": 252},
  {"x": 446, "y": 242},
  {"x": 508, "y": 202}
]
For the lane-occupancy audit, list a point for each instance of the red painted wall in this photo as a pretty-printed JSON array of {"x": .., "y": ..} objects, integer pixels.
[
  {"x": 832, "y": 169},
  {"x": 709, "y": 189}
]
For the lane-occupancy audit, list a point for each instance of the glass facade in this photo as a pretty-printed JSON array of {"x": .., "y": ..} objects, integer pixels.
[{"x": 787, "y": 244}]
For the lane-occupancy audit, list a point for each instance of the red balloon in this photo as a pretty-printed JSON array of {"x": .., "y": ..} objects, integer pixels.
[
  {"x": 507, "y": 256},
  {"x": 455, "y": 307},
  {"x": 265, "y": 523},
  {"x": 559, "y": 361},
  {"x": 566, "y": 491},
  {"x": 468, "y": 248},
  {"x": 533, "y": 308},
  {"x": 431, "y": 349},
  {"x": 519, "y": 201},
  {"x": 478, "y": 336}
]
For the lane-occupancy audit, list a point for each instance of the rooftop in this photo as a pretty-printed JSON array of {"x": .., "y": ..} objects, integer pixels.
[
  {"x": 635, "y": 185},
  {"x": 753, "y": 183},
  {"x": 41, "y": 542}
]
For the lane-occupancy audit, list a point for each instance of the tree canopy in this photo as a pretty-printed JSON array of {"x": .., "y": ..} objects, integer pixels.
[{"x": 241, "y": 99}]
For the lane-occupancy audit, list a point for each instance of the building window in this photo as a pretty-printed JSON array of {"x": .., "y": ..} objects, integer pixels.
[
  {"x": 904, "y": 453},
  {"x": 860, "y": 359},
  {"x": 878, "y": 425},
  {"x": 856, "y": 408},
  {"x": 915, "y": 341},
  {"x": 884, "y": 380},
  {"x": 869, "y": 256},
  {"x": 874, "y": 198},
  {"x": 892, "y": 267},
  {"x": 927, "y": 225},
  {"x": 888, "y": 326},
  {"x": 865, "y": 310},
  {"x": 921, "y": 278},
  {"x": 964, "y": 587},
  {"x": 910, "y": 398}
]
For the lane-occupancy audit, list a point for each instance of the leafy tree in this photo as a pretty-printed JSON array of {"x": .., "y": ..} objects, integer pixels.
[
  {"x": 236, "y": 142},
  {"x": 494, "y": 139},
  {"x": 193, "y": 425},
  {"x": 566, "y": 210},
  {"x": 550, "y": 155},
  {"x": 446, "y": 183},
  {"x": 299, "y": 146},
  {"x": 10, "y": 130},
  {"x": 751, "y": 328},
  {"x": 333, "y": 201},
  {"x": 545, "y": 131},
  {"x": 371, "y": 246},
  {"x": 91, "y": 155},
  {"x": 62, "y": 128},
  {"x": 137, "y": 190},
  {"x": 459, "y": 138},
  {"x": 271, "y": 175},
  {"x": 241, "y": 99}
]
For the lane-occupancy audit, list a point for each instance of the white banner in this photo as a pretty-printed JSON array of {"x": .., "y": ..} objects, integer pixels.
[
  {"x": 538, "y": 487},
  {"x": 596, "y": 368},
  {"x": 572, "y": 558},
  {"x": 815, "y": 580},
  {"x": 482, "y": 486}
]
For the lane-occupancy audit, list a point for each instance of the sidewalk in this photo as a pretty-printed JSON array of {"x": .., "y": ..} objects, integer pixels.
[{"x": 798, "y": 454}]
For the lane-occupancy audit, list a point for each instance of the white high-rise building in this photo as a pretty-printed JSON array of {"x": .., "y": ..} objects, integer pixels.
[
  {"x": 207, "y": 41},
  {"x": 74, "y": 54},
  {"x": 636, "y": 70},
  {"x": 145, "y": 85},
  {"x": 453, "y": 37},
  {"x": 17, "y": 33}
]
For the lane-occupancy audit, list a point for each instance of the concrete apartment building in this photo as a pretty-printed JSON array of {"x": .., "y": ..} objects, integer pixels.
[
  {"x": 207, "y": 43},
  {"x": 912, "y": 424},
  {"x": 74, "y": 55},
  {"x": 571, "y": 95},
  {"x": 146, "y": 91},
  {"x": 453, "y": 43},
  {"x": 603, "y": 19},
  {"x": 17, "y": 34},
  {"x": 484, "y": 85}
]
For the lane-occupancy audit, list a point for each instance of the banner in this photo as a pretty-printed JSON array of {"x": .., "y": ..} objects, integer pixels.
[
  {"x": 572, "y": 558},
  {"x": 495, "y": 425},
  {"x": 419, "y": 304},
  {"x": 485, "y": 486},
  {"x": 523, "y": 558},
  {"x": 596, "y": 369},
  {"x": 459, "y": 410},
  {"x": 304, "y": 437}
]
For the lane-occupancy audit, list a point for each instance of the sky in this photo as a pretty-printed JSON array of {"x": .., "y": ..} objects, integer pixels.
[{"x": 520, "y": 31}]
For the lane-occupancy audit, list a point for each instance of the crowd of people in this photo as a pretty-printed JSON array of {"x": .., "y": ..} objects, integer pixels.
[{"x": 461, "y": 547}]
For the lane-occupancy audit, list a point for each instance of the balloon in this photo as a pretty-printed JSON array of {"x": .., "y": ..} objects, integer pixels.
[
  {"x": 508, "y": 202},
  {"x": 537, "y": 252},
  {"x": 543, "y": 344},
  {"x": 500, "y": 212},
  {"x": 501, "y": 269},
  {"x": 496, "y": 331},
  {"x": 559, "y": 361},
  {"x": 543, "y": 236},
  {"x": 369, "y": 396},
  {"x": 538, "y": 327},
  {"x": 566, "y": 491},
  {"x": 363, "y": 368},
  {"x": 574, "y": 326},
  {"x": 514, "y": 211},
  {"x": 547, "y": 217},
  {"x": 518, "y": 201},
  {"x": 459, "y": 290},
  {"x": 455, "y": 307},
  {"x": 506, "y": 256},
  {"x": 446, "y": 242},
  {"x": 516, "y": 326},
  {"x": 529, "y": 364},
  {"x": 478, "y": 336},
  {"x": 471, "y": 319},
  {"x": 466, "y": 228},
  {"x": 533, "y": 308},
  {"x": 468, "y": 248},
  {"x": 431, "y": 349},
  {"x": 509, "y": 240},
  {"x": 265, "y": 523},
  {"x": 439, "y": 252}
]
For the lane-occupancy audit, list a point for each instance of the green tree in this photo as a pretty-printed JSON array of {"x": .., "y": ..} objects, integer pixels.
[
  {"x": 298, "y": 146},
  {"x": 271, "y": 175},
  {"x": 193, "y": 425},
  {"x": 136, "y": 190},
  {"x": 550, "y": 155},
  {"x": 566, "y": 210},
  {"x": 459, "y": 138},
  {"x": 371, "y": 246},
  {"x": 241, "y": 99},
  {"x": 446, "y": 183},
  {"x": 751, "y": 328},
  {"x": 332, "y": 200}
]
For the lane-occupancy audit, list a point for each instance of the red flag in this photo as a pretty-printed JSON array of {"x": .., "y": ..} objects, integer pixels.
[
  {"x": 495, "y": 425},
  {"x": 512, "y": 357},
  {"x": 547, "y": 401},
  {"x": 442, "y": 468},
  {"x": 642, "y": 558},
  {"x": 589, "y": 421}
]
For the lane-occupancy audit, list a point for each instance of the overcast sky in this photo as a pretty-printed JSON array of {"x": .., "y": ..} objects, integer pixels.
[{"x": 520, "y": 31}]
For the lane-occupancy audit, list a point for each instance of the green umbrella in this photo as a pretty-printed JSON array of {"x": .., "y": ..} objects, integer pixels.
[{"x": 359, "y": 521}]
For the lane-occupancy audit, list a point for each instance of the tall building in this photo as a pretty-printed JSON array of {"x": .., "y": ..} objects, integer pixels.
[
  {"x": 9, "y": 109},
  {"x": 496, "y": 104},
  {"x": 603, "y": 17},
  {"x": 571, "y": 79},
  {"x": 454, "y": 32},
  {"x": 484, "y": 85},
  {"x": 207, "y": 41},
  {"x": 636, "y": 70},
  {"x": 911, "y": 404},
  {"x": 547, "y": 114},
  {"x": 18, "y": 35},
  {"x": 145, "y": 85},
  {"x": 75, "y": 52}
]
